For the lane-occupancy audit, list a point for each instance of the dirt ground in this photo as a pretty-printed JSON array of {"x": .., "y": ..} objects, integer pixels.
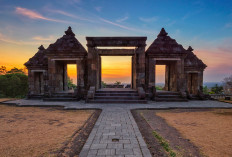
[
  {"x": 210, "y": 130},
  {"x": 148, "y": 123},
  {"x": 6, "y": 99},
  {"x": 31, "y": 131}
]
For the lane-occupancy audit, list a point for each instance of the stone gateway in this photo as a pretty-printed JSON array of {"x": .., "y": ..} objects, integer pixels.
[{"x": 47, "y": 69}]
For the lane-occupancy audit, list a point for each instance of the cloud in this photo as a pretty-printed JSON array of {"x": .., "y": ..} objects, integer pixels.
[
  {"x": 34, "y": 15},
  {"x": 36, "y": 40},
  {"x": 40, "y": 38},
  {"x": 98, "y": 8},
  {"x": 69, "y": 15},
  {"x": 150, "y": 19},
  {"x": 228, "y": 25},
  {"x": 115, "y": 24},
  {"x": 122, "y": 19}
]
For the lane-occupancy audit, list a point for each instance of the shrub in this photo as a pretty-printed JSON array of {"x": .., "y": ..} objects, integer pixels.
[{"x": 14, "y": 85}]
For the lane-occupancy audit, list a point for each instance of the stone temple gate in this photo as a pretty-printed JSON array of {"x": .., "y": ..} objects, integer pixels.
[{"x": 47, "y": 69}]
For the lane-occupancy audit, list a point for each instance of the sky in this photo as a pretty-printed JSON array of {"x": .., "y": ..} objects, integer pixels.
[{"x": 206, "y": 25}]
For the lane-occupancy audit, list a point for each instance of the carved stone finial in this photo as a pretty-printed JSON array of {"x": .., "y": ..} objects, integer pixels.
[
  {"x": 190, "y": 48},
  {"x": 162, "y": 33},
  {"x": 69, "y": 31},
  {"x": 41, "y": 48}
]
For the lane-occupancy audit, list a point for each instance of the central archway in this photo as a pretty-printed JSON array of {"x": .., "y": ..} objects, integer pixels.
[{"x": 137, "y": 53}]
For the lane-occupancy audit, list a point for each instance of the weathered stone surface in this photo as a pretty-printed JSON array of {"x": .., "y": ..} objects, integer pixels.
[
  {"x": 47, "y": 69},
  {"x": 165, "y": 44},
  {"x": 39, "y": 59},
  {"x": 193, "y": 61}
]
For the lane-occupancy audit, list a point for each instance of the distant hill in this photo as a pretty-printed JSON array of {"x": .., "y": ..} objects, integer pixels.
[
  {"x": 212, "y": 84},
  {"x": 208, "y": 84}
]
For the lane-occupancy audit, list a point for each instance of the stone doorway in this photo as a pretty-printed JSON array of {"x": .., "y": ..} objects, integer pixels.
[
  {"x": 193, "y": 83},
  {"x": 38, "y": 83},
  {"x": 116, "y": 68},
  {"x": 61, "y": 75},
  {"x": 95, "y": 51}
]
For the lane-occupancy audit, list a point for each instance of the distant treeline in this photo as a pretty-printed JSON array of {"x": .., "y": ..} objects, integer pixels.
[{"x": 13, "y": 83}]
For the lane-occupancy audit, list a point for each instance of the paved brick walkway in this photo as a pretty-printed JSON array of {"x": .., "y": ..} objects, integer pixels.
[{"x": 116, "y": 122}]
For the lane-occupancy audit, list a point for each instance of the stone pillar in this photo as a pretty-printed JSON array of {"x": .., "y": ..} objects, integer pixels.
[
  {"x": 45, "y": 78},
  {"x": 80, "y": 78},
  {"x": 51, "y": 76},
  {"x": 30, "y": 82},
  {"x": 181, "y": 83},
  {"x": 140, "y": 66},
  {"x": 134, "y": 75},
  {"x": 65, "y": 77},
  {"x": 100, "y": 71},
  {"x": 152, "y": 70},
  {"x": 93, "y": 67},
  {"x": 167, "y": 77}
]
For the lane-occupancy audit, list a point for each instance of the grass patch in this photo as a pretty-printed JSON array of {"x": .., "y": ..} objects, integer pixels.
[{"x": 164, "y": 144}]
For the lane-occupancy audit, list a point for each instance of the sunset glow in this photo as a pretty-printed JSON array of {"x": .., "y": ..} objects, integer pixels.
[
  {"x": 116, "y": 68},
  {"x": 72, "y": 72},
  {"x": 204, "y": 25}
]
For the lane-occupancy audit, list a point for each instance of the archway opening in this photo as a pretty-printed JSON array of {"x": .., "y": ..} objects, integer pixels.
[
  {"x": 72, "y": 76},
  {"x": 116, "y": 71},
  {"x": 160, "y": 76}
]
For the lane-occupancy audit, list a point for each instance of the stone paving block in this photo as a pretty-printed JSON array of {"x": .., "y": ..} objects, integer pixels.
[
  {"x": 92, "y": 152},
  {"x": 115, "y": 145},
  {"x": 134, "y": 145},
  {"x": 98, "y": 146},
  {"x": 124, "y": 151},
  {"x": 106, "y": 152}
]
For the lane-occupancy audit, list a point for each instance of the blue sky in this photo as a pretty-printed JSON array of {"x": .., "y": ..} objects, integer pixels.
[{"x": 205, "y": 25}]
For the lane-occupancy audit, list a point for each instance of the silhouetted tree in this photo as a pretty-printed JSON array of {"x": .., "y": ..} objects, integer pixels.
[
  {"x": 217, "y": 89},
  {"x": 3, "y": 70}
]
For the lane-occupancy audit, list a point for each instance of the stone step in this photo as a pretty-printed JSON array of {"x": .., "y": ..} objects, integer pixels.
[
  {"x": 59, "y": 99},
  {"x": 116, "y": 91},
  {"x": 116, "y": 94},
  {"x": 171, "y": 99},
  {"x": 168, "y": 96},
  {"x": 117, "y": 101},
  {"x": 117, "y": 97},
  {"x": 36, "y": 97},
  {"x": 63, "y": 96},
  {"x": 168, "y": 93}
]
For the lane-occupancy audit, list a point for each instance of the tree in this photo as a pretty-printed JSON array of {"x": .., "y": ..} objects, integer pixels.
[
  {"x": 217, "y": 89},
  {"x": 71, "y": 85},
  {"x": 205, "y": 90},
  {"x": 117, "y": 83},
  {"x": 14, "y": 85},
  {"x": 3, "y": 70},
  {"x": 15, "y": 70},
  {"x": 103, "y": 84},
  {"x": 227, "y": 85}
]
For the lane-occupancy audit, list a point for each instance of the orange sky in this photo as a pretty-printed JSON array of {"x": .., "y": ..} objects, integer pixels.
[{"x": 15, "y": 53}]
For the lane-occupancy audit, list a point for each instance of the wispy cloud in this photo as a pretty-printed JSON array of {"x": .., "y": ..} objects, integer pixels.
[
  {"x": 149, "y": 19},
  {"x": 228, "y": 25},
  {"x": 34, "y": 15},
  {"x": 40, "y": 38},
  {"x": 6, "y": 39},
  {"x": 122, "y": 19},
  {"x": 116, "y": 24},
  {"x": 69, "y": 15},
  {"x": 98, "y": 8}
]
